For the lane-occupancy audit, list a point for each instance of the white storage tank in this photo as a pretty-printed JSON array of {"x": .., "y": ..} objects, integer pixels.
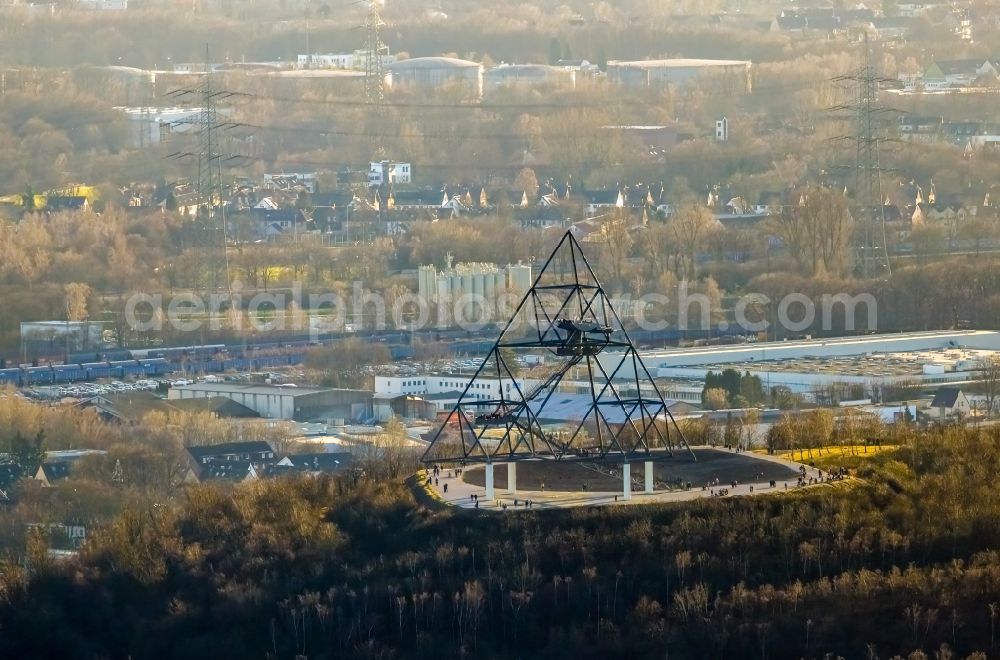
[{"x": 519, "y": 277}]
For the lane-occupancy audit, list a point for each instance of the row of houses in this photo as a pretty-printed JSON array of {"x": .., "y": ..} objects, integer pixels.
[
  {"x": 833, "y": 21},
  {"x": 248, "y": 461},
  {"x": 549, "y": 209},
  {"x": 290, "y": 206},
  {"x": 969, "y": 135},
  {"x": 228, "y": 462},
  {"x": 842, "y": 21}
]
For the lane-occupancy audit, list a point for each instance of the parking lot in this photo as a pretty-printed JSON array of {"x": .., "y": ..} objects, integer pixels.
[{"x": 87, "y": 390}]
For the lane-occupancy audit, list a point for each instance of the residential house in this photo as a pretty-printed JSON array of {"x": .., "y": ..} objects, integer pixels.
[
  {"x": 971, "y": 135},
  {"x": 291, "y": 182},
  {"x": 588, "y": 231},
  {"x": 49, "y": 472},
  {"x": 269, "y": 203},
  {"x": 823, "y": 20},
  {"x": 949, "y": 402},
  {"x": 890, "y": 28},
  {"x": 235, "y": 472},
  {"x": 61, "y": 534},
  {"x": 919, "y": 128},
  {"x": 518, "y": 199},
  {"x": 599, "y": 201},
  {"x": 545, "y": 217},
  {"x": 404, "y": 200},
  {"x": 231, "y": 461},
  {"x": 181, "y": 197},
  {"x": 273, "y": 224},
  {"x": 642, "y": 196},
  {"x": 456, "y": 205},
  {"x": 957, "y": 73},
  {"x": 315, "y": 464},
  {"x": 947, "y": 213},
  {"x": 389, "y": 172},
  {"x": 331, "y": 211}
]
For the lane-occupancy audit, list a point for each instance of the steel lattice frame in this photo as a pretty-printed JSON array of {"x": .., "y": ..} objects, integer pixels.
[{"x": 570, "y": 316}]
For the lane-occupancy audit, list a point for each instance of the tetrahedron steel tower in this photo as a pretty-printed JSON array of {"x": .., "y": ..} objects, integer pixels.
[{"x": 566, "y": 316}]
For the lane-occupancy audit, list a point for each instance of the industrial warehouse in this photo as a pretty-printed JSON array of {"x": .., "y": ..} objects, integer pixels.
[
  {"x": 301, "y": 404},
  {"x": 874, "y": 361}
]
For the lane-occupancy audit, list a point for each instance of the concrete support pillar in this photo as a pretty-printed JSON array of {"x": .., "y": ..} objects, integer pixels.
[
  {"x": 649, "y": 476},
  {"x": 512, "y": 478},
  {"x": 490, "y": 493},
  {"x": 626, "y": 481}
]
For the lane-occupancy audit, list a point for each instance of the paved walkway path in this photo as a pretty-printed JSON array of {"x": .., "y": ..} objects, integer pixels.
[{"x": 459, "y": 493}]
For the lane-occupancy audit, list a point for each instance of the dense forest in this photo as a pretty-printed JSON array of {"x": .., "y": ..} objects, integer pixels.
[{"x": 901, "y": 561}]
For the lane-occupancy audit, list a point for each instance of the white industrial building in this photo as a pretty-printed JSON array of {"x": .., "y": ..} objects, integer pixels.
[
  {"x": 835, "y": 347},
  {"x": 445, "y": 389},
  {"x": 101, "y": 5},
  {"x": 431, "y": 384},
  {"x": 733, "y": 75},
  {"x": 295, "y": 403},
  {"x": 433, "y": 73},
  {"x": 150, "y": 125},
  {"x": 927, "y": 358},
  {"x": 358, "y": 60}
]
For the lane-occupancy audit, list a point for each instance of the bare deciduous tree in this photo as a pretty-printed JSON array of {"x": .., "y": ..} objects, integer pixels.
[
  {"x": 989, "y": 381},
  {"x": 690, "y": 227},
  {"x": 76, "y": 295},
  {"x": 817, "y": 231}
]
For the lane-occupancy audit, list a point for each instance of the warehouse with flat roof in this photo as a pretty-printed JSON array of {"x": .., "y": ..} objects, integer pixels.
[
  {"x": 301, "y": 404},
  {"x": 732, "y": 75},
  {"x": 916, "y": 358},
  {"x": 435, "y": 73},
  {"x": 833, "y": 347}
]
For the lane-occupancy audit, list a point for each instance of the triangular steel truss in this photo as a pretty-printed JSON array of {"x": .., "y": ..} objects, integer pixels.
[{"x": 582, "y": 406}]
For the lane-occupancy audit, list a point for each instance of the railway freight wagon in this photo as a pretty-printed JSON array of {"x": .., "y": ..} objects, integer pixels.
[
  {"x": 68, "y": 373},
  {"x": 10, "y": 376},
  {"x": 37, "y": 376},
  {"x": 155, "y": 367},
  {"x": 60, "y": 374},
  {"x": 95, "y": 370}
]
